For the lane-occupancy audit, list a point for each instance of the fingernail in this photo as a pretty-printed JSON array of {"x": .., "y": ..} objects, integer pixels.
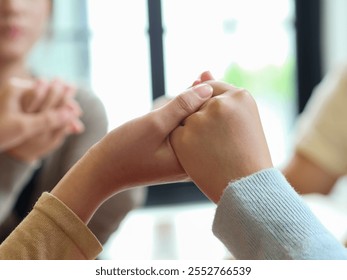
[{"x": 203, "y": 90}]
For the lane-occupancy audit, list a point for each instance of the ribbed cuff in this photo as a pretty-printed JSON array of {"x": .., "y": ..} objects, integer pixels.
[{"x": 262, "y": 217}]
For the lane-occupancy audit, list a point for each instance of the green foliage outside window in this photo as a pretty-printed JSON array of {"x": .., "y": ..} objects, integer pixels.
[{"x": 271, "y": 81}]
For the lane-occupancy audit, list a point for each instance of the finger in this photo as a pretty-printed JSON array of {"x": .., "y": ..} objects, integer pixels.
[
  {"x": 222, "y": 87},
  {"x": 203, "y": 77},
  {"x": 206, "y": 76},
  {"x": 21, "y": 83},
  {"x": 68, "y": 93},
  {"x": 73, "y": 105},
  {"x": 48, "y": 120},
  {"x": 54, "y": 96},
  {"x": 76, "y": 127},
  {"x": 196, "y": 82},
  {"x": 71, "y": 90},
  {"x": 10, "y": 97},
  {"x": 38, "y": 94},
  {"x": 17, "y": 93},
  {"x": 185, "y": 104}
]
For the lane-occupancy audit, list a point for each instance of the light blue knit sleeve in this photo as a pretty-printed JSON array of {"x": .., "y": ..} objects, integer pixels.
[{"x": 262, "y": 217}]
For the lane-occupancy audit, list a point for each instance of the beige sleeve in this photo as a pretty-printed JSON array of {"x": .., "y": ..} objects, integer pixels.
[
  {"x": 322, "y": 127},
  {"x": 51, "y": 231}
]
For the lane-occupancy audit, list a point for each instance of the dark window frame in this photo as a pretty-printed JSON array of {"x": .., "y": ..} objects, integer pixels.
[{"x": 308, "y": 48}]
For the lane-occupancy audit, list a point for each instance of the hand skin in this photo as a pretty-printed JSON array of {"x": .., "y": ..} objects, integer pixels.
[
  {"x": 307, "y": 176},
  {"x": 162, "y": 100},
  {"x": 17, "y": 125},
  {"x": 222, "y": 142},
  {"x": 49, "y": 96},
  {"x": 134, "y": 154},
  {"x": 203, "y": 77}
]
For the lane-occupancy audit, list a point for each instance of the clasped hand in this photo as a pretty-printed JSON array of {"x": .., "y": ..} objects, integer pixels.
[
  {"x": 211, "y": 134},
  {"x": 41, "y": 98}
]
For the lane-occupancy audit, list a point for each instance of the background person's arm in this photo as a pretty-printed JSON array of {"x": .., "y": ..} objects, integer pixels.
[
  {"x": 307, "y": 176},
  {"x": 320, "y": 147}
]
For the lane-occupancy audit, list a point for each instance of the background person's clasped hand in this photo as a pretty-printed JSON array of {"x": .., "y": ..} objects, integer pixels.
[
  {"x": 43, "y": 97},
  {"x": 20, "y": 117}
]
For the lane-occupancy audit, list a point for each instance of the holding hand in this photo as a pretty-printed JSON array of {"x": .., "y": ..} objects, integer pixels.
[
  {"x": 135, "y": 154},
  {"x": 222, "y": 142}
]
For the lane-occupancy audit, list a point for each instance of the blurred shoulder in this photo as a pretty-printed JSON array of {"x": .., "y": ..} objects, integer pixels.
[
  {"x": 88, "y": 100},
  {"x": 91, "y": 104},
  {"x": 337, "y": 76},
  {"x": 85, "y": 95}
]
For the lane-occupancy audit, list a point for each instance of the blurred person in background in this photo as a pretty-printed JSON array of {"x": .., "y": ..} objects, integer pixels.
[
  {"x": 320, "y": 151},
  {"x": 37, "y": 164},
  {"x": 319, "y": 158}
]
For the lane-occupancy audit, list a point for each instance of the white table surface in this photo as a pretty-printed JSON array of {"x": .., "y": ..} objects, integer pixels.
[{"x": 184, "y": 231}]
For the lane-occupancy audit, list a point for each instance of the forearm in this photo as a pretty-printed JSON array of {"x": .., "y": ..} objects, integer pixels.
[
  {"x": 91, "y": 181},
  {"x": 262, "y": 217},
  {"x": 307, "y": 176},
  {"x": 80, "y": 190},
  {"x": 79, "y": 187}
]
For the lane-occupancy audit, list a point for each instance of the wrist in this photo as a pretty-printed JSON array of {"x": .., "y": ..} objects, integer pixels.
[{"x": 82, "y": 189}]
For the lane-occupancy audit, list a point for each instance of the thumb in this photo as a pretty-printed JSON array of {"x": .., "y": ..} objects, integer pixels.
[{"x": 185, "y": 104}]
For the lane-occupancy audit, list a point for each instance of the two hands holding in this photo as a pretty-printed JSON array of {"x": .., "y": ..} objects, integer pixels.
[{"x": 210, "y": 134}]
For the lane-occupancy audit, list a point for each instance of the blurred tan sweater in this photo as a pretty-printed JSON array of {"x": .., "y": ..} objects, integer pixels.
[
  {"x": 322, "y": 127},
  {"x": 50, "y": 232}
]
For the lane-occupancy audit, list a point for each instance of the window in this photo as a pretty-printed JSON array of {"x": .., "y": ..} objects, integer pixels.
[
  {"x": 119, "y": 54},
  {"x": 252, "y": 48},
  {"x": 107, "y": 45}
]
